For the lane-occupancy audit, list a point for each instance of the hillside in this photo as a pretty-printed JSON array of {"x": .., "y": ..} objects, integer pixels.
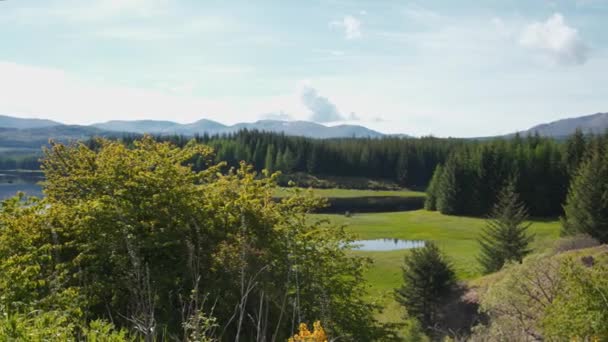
[
  {"x": 21, "y": 123},
  {"x": 595, "y": 123},
  {"x": 36, "y": 137}
]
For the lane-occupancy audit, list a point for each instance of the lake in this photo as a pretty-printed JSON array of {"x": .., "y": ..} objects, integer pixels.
[
  {"x": 386, "y": 244},
  {"x": 13, "y": 181}
]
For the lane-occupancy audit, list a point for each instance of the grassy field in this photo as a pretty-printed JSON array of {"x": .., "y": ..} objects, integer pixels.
[
  {"x": 348, "y": 193},
  {"x": 455, "y": 235}
]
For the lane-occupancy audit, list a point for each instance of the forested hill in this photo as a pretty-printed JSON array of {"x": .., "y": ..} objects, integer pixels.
[{"x": 541, "y": 167}]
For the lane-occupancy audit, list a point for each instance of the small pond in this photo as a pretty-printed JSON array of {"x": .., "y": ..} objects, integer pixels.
[{"x": 387, "y": 244}]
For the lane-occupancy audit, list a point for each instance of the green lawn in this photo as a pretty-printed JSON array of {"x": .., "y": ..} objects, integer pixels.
[
  {"x": 344, "y": 193},
  {"x": 455, "y": 235}
]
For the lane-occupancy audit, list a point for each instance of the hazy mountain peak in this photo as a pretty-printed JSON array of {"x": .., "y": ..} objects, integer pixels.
[
  {"x": 594, "y": 123},
  {"x": 25, "y": 123}
]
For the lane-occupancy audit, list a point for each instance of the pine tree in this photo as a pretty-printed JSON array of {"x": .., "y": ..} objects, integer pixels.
[
  {"x": 269, "y": 160},
  {"x": 575, "y": 148},
  {"x": 402, "y": 169},
  {"x": 447, "y": 190},
  {"x": 505, "y": 236},
  {"x": 586, "y": 209},
  {"x": 428, "y": 282},
  {"x": 311, "y": 163},
  {"x": 431, "y": 192},
  {"x": 288, "y": 160}
]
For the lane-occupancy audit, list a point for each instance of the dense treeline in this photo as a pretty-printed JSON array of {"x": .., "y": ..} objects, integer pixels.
[
  {"x": 25, "y": 162},
  {"x": 471, "y": 174},
  {"x": 467, "y": 183},
  {"x": 541, "y": 169},
  {"x": 410, "y": 162}
]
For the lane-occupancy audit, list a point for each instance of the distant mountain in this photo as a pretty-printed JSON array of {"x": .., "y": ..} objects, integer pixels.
[
  {"x": 20, "y": 123},
  {"x": 136, "y": 126},
  {"x": 199, "y": 127},
  {"x": 37, "y": 137},
  {"x": 308, "y": 129},
  {"x": 595, "y": 123},
  {"x": 296, "y": 128}
]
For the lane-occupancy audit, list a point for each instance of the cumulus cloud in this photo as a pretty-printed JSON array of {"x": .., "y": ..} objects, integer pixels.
[
  {"x": 555, "y": 38},
  {"x": 321, "y": 108},
  {"x": 350, "y": 25}
]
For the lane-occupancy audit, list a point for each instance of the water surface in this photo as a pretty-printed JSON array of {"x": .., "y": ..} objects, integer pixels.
[
  {"x": 13, "y": 181},
  {"x": 386, "y": 244}
]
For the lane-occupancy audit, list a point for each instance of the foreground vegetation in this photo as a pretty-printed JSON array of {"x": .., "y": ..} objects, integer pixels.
[
  {"x": 558, "y": 295},
  {"x": 132, "y": 242}
]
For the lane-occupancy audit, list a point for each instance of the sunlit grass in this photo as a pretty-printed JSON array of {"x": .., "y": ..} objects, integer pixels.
[{"x": 455, "y": 235}]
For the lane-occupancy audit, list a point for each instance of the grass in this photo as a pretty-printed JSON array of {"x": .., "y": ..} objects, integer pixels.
[
  {"x": 349, "y": 193},
  {"x": 455, "y": 235}
]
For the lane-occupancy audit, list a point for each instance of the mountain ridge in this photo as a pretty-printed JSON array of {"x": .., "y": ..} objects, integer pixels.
[
  {"x": 25, "y": 123},
  {"x": 14, "y": 129},
  {"x": 206, "y": 126},
  {"x": 592, "y": 123}
]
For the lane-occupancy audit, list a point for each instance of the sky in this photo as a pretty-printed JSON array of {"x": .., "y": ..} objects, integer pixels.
[{"x": 444, "y": 68}]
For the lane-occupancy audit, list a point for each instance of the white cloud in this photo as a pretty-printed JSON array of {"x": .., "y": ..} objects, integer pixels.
[
  {"x": 321, "y": 108},
  {"x": 350, "y": 25},
  {"x": 556, "y": 39}
]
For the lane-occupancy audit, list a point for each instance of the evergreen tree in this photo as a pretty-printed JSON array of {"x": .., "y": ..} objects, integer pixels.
[
  {"x": 311, "y": 163},
  {"x": 586, "y": 209},
  {"x": 402, "y": 168},
  {"x": 431, "y": 192},
  {"x": 576, "y": 145},
  {"x": 288, "y": 160},
  {"x": 505, "y": 236},
  {"x": 448, "y": 191},
  {"x": 428, "y": 283},
  {"x": 269, "y": 160}
]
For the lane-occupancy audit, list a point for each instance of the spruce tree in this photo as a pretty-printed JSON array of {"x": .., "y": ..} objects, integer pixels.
[
  {"x": 448, "y": 190},
  {"x": 505, "y": 236},
  {"x": 311, "y": 163},
  {"x": 575, "y": 148},
  {"x": 402, "y": 169},
  {"x": 429, "y": 282},
  {"x": 269, "y": 160},
  {"x": 431, "y": 192},
  {"x": 288, "y": 160},
  {"x": 586, "y": 209}
]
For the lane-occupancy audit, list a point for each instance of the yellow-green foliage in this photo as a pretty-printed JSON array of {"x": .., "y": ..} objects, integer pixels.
[
  {"x": 56, "y": 326},
  {"x": 133, "y": 235},
  {"x": 305, "y": 335},
  {"x": 549, "y": 296},
  {"x": 580, "y": 309}
]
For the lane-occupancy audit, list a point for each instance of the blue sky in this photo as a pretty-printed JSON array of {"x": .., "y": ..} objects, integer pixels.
[{"x": 447, "y": 68}]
